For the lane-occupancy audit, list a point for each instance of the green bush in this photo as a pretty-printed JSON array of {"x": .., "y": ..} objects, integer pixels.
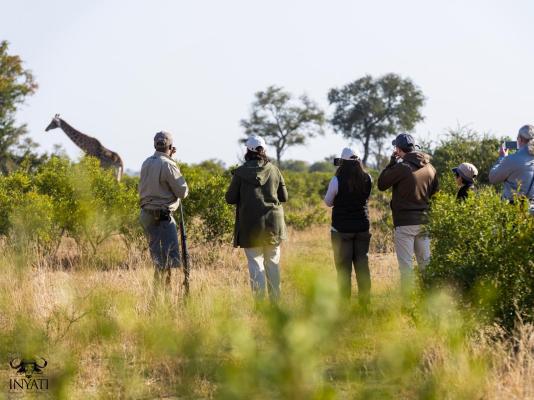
[
  {"x": 54, "y": 179},
  {"x": 32, "y": 221},
  {"x": 78, "y": 199},
  {"x": 105, "y": 207},
  {"x": 206, "y": 202},
  {"x": 85, "y": 202},
  {"x": 306, "y": 192},
  {"x": 381, "y": 217},
  {"x": 464, "y": 145},
  {"x": 323, "y": 166},
  {"x": 294, "y": 166},
  {"x": 12, "y": 189},
  {"x": 484, "y": 249}
]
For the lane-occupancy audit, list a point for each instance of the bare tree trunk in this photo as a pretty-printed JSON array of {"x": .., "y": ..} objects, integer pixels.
[
  {"x": 366, "y": 148},
  {"x": 278, "y": 155}
]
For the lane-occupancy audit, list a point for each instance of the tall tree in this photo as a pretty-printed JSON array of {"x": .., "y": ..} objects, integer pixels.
[
  {"x": 369, "y": 110},
  {"x": 16, "y": 83},
  {"x": 282, "y": 120}
]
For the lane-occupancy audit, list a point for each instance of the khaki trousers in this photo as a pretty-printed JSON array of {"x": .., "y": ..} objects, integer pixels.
[
  {"x": 264, "y": 262},
  {"x": 410, "y": 240}
]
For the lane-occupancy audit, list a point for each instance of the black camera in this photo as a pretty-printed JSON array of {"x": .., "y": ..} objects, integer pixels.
[
  {"x": 510, "y": 145},
  {"x": 341, "y": 161}
]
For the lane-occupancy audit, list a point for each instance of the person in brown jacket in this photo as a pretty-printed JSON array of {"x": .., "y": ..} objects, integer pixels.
[{"x": 414, "y": 182}]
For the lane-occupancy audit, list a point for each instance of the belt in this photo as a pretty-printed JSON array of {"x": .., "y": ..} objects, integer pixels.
[{"x": 154, "y": 211}]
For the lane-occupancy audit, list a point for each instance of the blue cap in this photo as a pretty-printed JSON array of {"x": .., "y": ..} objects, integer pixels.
[{"x": 404, "y": 140}]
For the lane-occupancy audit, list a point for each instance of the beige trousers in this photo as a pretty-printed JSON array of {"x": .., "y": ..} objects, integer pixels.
[
  {"x": 410, "y": 240},
  {"x": 264, "y": 262}
]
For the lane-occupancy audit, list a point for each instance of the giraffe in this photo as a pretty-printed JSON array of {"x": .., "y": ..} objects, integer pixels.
[{"x": 90, "y": 145}]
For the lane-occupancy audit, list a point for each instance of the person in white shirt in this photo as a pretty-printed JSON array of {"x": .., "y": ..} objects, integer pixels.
[{"x": 348, "y": 194}]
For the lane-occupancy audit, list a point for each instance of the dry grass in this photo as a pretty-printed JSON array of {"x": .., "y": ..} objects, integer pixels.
[{"x": 104, "y": 328}]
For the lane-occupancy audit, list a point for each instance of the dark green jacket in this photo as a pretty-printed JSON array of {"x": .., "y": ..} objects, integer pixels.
[{"x": 258, "y": 189}]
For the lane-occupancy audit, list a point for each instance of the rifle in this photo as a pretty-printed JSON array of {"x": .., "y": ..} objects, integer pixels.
[{"x": 185, "y": 252}]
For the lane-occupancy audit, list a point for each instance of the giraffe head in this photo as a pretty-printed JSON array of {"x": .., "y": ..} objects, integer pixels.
[{"x": 55, "y": 123}]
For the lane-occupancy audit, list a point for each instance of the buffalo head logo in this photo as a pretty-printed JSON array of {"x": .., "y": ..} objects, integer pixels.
[{"x": 28, "y": 367}]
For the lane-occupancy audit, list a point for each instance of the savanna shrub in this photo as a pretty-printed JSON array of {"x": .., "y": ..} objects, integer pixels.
[
  {"x": 305, "y": 204},
  {"x": 484, "y": 249},
  {"x": 206, "y": 202},
  {"x": 32, "y": 221},
  {"x": 78, "y": 199},
  {"x": 464, "y": 145},
  {"x": 12, "y": 189},
  {"x": 381, "y": 217},
  {"x": 83, "y": 201}
]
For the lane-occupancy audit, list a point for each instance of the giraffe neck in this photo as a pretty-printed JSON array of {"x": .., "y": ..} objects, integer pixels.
[{"x": 76, "y": 136}]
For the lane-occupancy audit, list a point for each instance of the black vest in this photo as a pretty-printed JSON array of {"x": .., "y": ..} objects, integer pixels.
[
  {"x": 350, "y": 213},
  {"x": 465, "y": 191}
]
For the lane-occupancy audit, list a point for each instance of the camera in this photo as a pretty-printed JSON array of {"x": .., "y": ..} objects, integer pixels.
[
  {"x": 510, "y": 145},
  {"x": 341, "y": 161}
]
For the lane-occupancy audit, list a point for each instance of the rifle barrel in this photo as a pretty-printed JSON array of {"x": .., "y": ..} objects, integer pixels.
[{"x": 185, "y": 252}]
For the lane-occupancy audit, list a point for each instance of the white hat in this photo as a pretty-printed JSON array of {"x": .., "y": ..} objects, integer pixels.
[
  {"x": 348, "y": 154},
  {"x": 255, "y": 141}
]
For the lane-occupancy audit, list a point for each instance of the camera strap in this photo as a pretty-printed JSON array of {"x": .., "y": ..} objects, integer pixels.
[{"x": 529, "y": 188}]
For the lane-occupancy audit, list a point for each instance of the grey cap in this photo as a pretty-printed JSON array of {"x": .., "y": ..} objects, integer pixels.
[
  {"x": 527, "y": 132},
  {"x": 163, "y": 138}
]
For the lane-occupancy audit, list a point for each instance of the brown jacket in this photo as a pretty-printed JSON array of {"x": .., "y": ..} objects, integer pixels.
[{"x": 414, "y": 182}]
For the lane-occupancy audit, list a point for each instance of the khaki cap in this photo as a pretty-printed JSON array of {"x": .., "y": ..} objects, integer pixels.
[
  {"x": 163, "y": 138},
  {"x": 467, "y": 171}
]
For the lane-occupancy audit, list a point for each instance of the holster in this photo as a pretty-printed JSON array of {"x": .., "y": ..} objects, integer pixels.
[{"x": 160, "y": 215}]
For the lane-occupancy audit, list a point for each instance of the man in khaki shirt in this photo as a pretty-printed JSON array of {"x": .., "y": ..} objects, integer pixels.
[{"x": 160, "y": 189}]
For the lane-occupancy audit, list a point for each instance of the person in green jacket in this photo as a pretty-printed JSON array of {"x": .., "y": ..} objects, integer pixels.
[{"x": 258, "y": 189}]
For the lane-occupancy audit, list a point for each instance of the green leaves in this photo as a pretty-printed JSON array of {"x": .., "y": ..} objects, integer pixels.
[
  {"x": 205, "y": 206},
  {"x": 16, "y": 83},
  {"x": 369, "y": 110},
  {"x": 305, "y": 206},
  {"x": 81, "y": 200},
  {"x": 282, "y": 120},
  {"x": 465, "y": 145},
  {"x": 483, "y": 248}
]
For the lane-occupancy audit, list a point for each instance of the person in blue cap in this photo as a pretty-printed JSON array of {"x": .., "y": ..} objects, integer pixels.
[{"x": 413, "y": 181}]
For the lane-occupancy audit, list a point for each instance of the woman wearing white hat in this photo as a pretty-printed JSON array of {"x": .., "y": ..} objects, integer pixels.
[
  {"x": 348, "y": 194},
  {"x": 258, "y": 190}
]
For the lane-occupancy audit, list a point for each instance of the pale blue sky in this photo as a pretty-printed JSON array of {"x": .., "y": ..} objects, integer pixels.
[{"x": 122, "y": 70}]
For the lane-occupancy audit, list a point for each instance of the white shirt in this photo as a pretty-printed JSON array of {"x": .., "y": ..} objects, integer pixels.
[{"x": 331, "y": 193}]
